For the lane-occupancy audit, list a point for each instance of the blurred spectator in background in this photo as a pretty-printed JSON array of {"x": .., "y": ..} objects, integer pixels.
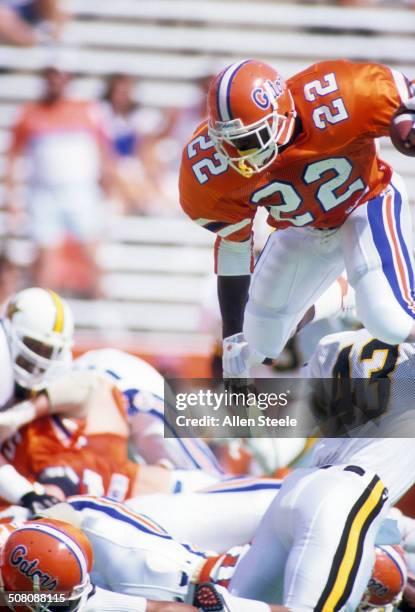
[
  {"x": 65, "y": 144},
  {"x": 10, "y": 278},
  {"x": 168, "y": 146},
  {"x": 358, "y": 2},
  {"x": 131, "y": 134},
  {"x": 147, "y": 145},
  {"x": 386, "y": 3},
  {"x": 29, "y": 22}
]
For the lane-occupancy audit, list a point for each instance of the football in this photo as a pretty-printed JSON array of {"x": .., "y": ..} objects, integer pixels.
[{"x": 400, "y": 128}]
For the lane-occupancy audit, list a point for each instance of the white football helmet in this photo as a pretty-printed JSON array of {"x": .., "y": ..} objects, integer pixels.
[{"x": 39, "y": 328}]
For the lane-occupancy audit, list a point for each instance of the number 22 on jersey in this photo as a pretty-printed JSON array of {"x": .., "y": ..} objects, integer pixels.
[
  {"x": 324, "y": 114},
  {"x": 327, "y": 193},
  {"x": 207, "y": 166},
  {"x": 287, "y": 195}
]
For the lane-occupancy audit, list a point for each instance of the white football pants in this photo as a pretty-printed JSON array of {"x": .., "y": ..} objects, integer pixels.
[
  {"x": 298, "y": 264},
  {"x": 314, "y": 549}
]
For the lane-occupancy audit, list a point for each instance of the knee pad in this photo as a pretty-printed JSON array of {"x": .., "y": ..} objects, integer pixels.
[{"x": 267, "y": 331}]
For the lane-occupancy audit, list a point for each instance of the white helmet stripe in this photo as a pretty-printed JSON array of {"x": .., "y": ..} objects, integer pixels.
[
  {"x": 224, "y": 90},
  {"x": 67, "y": 540},
  {"x": 401, "y": 85}
]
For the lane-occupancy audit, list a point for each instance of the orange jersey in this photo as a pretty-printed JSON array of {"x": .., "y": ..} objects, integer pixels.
[
  {"x": 331, "y": 167},
  {"x": 100, "y": 461},
  {"x": 38, "y": 120}
]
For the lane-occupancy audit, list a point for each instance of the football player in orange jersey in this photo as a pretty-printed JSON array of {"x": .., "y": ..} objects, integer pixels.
[
  {"x": 58, "y": 435},
  {"x": 81, "y": 452},
  {"x": 305, "y": 149}
]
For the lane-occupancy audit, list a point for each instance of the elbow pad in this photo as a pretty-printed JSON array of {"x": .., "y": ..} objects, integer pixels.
[{"x": 233, "y": 258}]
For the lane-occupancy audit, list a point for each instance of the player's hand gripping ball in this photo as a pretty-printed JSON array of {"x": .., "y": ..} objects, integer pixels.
[{"x": 402, "y": 130}]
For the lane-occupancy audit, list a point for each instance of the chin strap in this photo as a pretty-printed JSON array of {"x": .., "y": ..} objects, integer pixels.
[{"x": 246, "y": 170}]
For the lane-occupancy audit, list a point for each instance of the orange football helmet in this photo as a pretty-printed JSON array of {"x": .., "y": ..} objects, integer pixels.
[
  {"x": 49, "y": 557},
  {"x": 388, "y": 580},
  {"x": 251, "y": 113}
]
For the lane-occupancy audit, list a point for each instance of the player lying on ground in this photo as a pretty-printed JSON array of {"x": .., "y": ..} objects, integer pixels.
[
  {"x": 78, "y": 437},
  {"x": 46, "y": 564},
  {"x": 135, "y": 555},
  {"x": 306, "y": 150},
  {"x": 206, "y": 519}
]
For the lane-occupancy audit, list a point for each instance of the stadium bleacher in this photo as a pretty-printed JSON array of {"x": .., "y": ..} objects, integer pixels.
[{"x": 155, "y": 268}]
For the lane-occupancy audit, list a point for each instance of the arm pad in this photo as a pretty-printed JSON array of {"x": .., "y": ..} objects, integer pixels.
[{"x": 233, "y": 258}]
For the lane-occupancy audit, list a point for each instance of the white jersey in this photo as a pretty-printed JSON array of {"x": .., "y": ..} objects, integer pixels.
[
  {"x": 143, "y": 389},
  {"x": 130, "y": 372},
  {"x": 357, "y": 355},
  {"x": 6, "y": 369},
  {"x": 103, "y": 600},
  {"x": 135, "y": 555}
]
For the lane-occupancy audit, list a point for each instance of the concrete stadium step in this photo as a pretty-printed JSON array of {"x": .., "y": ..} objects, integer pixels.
[
  {"x": 153, "y": 287},
  {"x": 248, "y": 13},
  {"x": 246, "y": 41},
  {"x": 166, "y": 259},
  {"x": 113, "y": 315},
  {"x": 106, "y": 61},
  {"x": 168, "y": 344},
  {"x": 166, "y": 231},
  {"x": 145, "y": 64},
  {"x": 25, "y": 87}
]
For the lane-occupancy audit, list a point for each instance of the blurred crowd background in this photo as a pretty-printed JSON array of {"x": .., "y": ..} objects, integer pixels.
[{"x": 97, "y": 99}]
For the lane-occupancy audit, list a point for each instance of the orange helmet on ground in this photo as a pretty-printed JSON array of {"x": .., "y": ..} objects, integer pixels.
[
  {"x": 48, "y": 557},
  {"x": 388, "y": 580},
  {"x": 251, "y": 113}
]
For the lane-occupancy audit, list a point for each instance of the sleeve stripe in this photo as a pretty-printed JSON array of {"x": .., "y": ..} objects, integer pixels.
[
  {"x": 211, "y": 224},
  {"x": 204, "y": 222},
  {"x": 232, "y": 229},
  {"x": 222, "y": 228},
  {"x": 401, "y": 85},
  {"x": 215, "y": 226}
]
